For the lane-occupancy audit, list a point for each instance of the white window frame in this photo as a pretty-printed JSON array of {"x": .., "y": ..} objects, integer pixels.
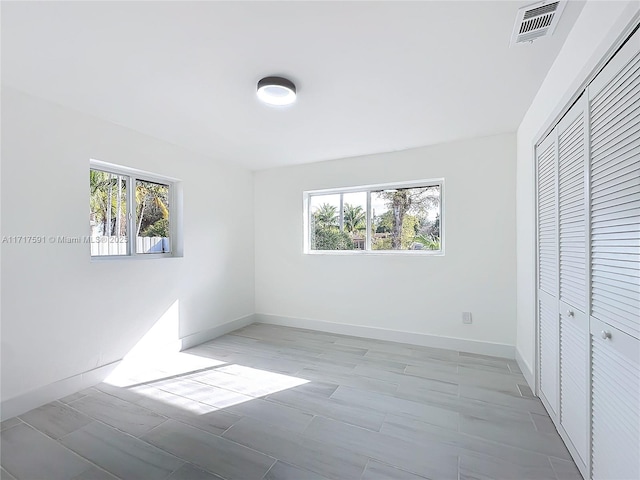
[
  {"x": 368, "y": 189},
  {"x": 175, "y": 210}
]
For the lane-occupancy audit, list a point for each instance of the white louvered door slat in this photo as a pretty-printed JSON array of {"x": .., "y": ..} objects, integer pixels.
[{"x": 615, "y": 195}]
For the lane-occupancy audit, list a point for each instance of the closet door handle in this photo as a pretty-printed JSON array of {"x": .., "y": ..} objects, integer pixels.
[
  {"x": 570, "y": 313},
  {"x": 605, "y": 335}
]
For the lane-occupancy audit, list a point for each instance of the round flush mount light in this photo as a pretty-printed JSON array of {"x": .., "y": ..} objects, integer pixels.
[{"x": 276, "y": 91}]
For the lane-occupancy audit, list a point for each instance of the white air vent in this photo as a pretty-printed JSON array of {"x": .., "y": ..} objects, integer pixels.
[{"x": 535, "y": 21}]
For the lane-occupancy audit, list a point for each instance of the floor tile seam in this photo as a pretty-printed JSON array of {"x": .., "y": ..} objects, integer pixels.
[
  {"x": 493, "y": 458},
  {"x": 552, "y": 468},
  {"x": 232, "y": 441},
  {"x": 213, "y": 434},
  {"x": 267, "y": 472},
  {"x": 353, "y": 425},
  {"x": 308, "y": 438},
  {"x": 501, "y": 444},
  {"x": 308, "y": 412},
  {"x": 174, "y": 471},
  {"x": 95, "y": 419},
  {"x": 220, "y": 387},
  {"x": 549, "y": 457},
  {"x": 381, "y": 460},
  {"x": 413, "y": 362},
  {"x": 314, "y": 345},
  {"x": 307, "y": 469},
  {"x": 219, "y": 407},
  {"x": 117, "y": 398},
  {"x": 172, "y": 377},
  {"x": 59, "y": 443},
  {"x": 458, "y": 409},
  {"x": 402, "y": 469},
  {"x": 417, "y": 403},
  {"x": 535, "y": 426},
  {"x": 357, "y": 376},
  {"x": 409, "y": 416},
  {"x": 280, "y": 403},
  {"x": 139, "y": 437},
  {"x": 471, "y": 436},
  {"x": 111, "y": 427},
  {"x": 418, "y": 348},
  {"x": 516, "y": 398},
  {"x": 304, "y": 437},
  {"x": 186, "y": 462},
  {"x": 368, "y": 455},
  {"x": 17, "y": 417},
  {"x": 509, "y": 375},
  {"x": 264, "y": 421},
  {"x": 366, "y": 465}
]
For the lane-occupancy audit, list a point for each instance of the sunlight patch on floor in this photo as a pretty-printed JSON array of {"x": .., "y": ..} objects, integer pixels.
[
  {"x": 213, "y": 389},
  {"x": 134, "y": 370},
  {"x": 156, "y": 369},
  {"x": 157, "y": 354}
]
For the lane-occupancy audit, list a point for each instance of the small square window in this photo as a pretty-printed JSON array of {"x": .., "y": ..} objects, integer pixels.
[{"x": 130, "y": 213}]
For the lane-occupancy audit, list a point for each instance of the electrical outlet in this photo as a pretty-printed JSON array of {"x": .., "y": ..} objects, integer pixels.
[{"x": 466, "y": 318}]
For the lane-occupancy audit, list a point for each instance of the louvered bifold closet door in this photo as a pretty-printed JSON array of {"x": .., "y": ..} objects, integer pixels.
[
  {"x": 574, "y": 325},
  {"x": 614, "y": 111},
  {"x": 615, "y": 191},
  {"x": 615, "y": 404},
  {"x": 548, "y": 323}
]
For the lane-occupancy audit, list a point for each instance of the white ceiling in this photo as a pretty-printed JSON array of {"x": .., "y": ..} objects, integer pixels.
[{"x": 371, "y": 76}]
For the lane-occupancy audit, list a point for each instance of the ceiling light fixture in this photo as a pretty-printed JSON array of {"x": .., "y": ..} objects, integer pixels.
[{"x": 276, "y": 91}]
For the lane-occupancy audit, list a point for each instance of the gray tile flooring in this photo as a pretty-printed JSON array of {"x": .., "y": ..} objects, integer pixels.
[{"x": 278, "y": 403}]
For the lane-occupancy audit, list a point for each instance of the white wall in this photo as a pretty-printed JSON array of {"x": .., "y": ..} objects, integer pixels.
[
  {"x": 598, "y": 27},
  {"x": 63, "y": 314},
  {"x": 409, "y": 293}
]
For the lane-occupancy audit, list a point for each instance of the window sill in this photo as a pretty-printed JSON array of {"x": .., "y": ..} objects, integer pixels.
[
  {"x": 427, "y": 253},
  {"x": 116, "y": 258}
]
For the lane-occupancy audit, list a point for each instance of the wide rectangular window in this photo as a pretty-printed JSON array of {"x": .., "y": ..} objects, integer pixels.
[
  {"x": 131, "y": 213},
  {"x": 395, "y": 217}
]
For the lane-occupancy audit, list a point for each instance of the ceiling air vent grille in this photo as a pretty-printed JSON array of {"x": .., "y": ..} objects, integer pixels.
[{"x": 535, "y": 21}]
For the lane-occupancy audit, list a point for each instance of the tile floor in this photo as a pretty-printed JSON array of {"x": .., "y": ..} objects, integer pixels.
[{"x": 276, "y": 403}]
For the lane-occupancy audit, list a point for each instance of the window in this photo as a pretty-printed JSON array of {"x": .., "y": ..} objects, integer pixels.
[
  {"x": 131, "y": 213},
  {"x": 395, "y": 217}
]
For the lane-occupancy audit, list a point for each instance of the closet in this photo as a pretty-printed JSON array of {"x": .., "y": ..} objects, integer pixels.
[{"x": 588, "y": 283}]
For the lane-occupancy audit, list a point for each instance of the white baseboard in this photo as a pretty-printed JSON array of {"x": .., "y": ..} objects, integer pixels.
[
  {"x": 526, "y": 371},
  {"x": 215, "y": 332},
  {"x": 48, "y": 393},
  {"x": 61, "y": 388},
  {"x": 412, "y": 338}
]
